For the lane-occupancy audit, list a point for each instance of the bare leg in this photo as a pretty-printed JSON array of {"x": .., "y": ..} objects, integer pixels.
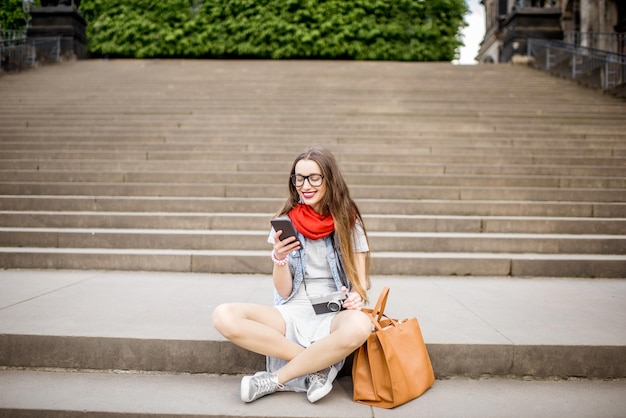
[
  {"x": 257, "y": 328},
  {"x": 261, "y": 329},
  {"x": 349, "y": 329}
]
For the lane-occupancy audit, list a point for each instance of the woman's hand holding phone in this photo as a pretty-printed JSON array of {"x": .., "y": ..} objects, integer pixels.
[{"x": 285, "y": 239}]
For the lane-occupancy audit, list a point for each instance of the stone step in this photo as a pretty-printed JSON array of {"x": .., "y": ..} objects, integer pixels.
[
  {"x": 236, "y": 106},
  {"x": 232, "y": 97},
  {"x": 177, "y": 111},
  {"x": 507, "y": 132},
  {"x": 559, "y": 156},
  {"x": 358, "y": 117},
  {"x": 433, "y": 111},
  {"x": 210, "y": 158},
  {"x": 386, "y": 192},
  {"x": 55, "y": 394},
  {"x": 434, "y": 105},
  {"x": 259, "y": 221},
  {"x": 256, "y": 262},
  {"x": 343, "y": 141},
  {"x": 160, "y": 322},
  {"x": 350, "y": 168},
  {"x": 360, "y": 179},
  {"x": 170, "y": 125},
  {"x": 562, "y": 154},
  {"x": 396, "y": 143},
  {"x": 218, "y": 239},
  {"x": 436, "y": 131},
  {"x": 164, "y": 204}
]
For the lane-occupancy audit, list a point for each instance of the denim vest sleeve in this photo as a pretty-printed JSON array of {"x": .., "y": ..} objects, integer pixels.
[{"x": 297, "y": 265}]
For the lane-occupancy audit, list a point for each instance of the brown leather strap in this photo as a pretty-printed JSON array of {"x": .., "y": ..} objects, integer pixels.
[{"x": 377, "y": 313}]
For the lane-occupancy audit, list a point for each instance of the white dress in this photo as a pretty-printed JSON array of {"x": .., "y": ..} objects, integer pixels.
[{"x": 302, "y": 324}]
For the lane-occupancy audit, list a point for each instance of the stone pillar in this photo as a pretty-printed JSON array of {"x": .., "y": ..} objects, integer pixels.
[
  {"x": 587, "y": 17},
  {"x": 60, "y": 19}
]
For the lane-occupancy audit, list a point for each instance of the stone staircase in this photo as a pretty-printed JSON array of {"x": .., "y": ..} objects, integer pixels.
[{"x": 177, "y": 166}]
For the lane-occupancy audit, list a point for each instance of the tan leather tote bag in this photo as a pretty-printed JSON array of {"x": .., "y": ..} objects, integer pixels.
[{"x": 392, "y": 367}]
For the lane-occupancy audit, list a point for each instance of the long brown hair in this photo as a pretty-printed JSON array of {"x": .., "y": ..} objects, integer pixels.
[{"x": 345, "y": 212}]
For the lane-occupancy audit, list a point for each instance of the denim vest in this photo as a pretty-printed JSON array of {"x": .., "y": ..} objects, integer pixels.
[{"x": 297, "y": 265}]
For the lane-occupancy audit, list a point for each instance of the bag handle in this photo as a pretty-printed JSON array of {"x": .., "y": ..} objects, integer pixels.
[
  {"x": 379, "y": 309},
  {"x": 377, "y": 314}
]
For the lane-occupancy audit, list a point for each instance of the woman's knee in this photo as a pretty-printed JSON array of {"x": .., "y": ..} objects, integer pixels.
[
  {"x": 355, "y": 329},
  {"x": 224, "y": 316},
  {"x": 362, "y": 328}
]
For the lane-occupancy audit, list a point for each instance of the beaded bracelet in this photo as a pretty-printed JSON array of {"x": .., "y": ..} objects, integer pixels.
[{"x": 277, "y": 261}]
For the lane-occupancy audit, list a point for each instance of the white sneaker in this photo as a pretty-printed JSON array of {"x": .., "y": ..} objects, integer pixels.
[
  {"x": 320, "y": 384},
  {"x": 261, "y": 384}
]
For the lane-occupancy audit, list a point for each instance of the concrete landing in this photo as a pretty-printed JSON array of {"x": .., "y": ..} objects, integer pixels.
[
  {"x": 68, "y": 395},
  {"x": 152, "y": 321},
  {"x": 138, "y": 344}
]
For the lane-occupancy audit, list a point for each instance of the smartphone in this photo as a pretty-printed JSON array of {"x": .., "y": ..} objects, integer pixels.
[{"x": 285, "y": 225}]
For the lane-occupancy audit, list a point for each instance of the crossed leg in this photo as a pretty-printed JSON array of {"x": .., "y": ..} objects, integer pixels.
[
  {"x": 261, "y": 329},
  {"x": 257, "y": 328}
]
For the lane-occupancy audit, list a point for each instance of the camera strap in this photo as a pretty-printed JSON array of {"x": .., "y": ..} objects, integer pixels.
[{"x": 340, "y": 269}]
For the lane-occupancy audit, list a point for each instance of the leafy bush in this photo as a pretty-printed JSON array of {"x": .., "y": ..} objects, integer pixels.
[
  {"x": 405, "y": 30},
  {"x": 11, "y": 14}
]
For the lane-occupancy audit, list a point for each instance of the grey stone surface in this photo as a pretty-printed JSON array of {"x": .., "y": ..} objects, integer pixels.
[
  {"x": 61, "y": 394},
  {"x": 161, "y": 321},
  {"x": 180, "y": 141}
]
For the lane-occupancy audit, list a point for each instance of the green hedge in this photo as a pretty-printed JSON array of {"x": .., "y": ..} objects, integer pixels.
[
  {"x": 422, "y": 30},
  {"x": 12, "y": 14}
]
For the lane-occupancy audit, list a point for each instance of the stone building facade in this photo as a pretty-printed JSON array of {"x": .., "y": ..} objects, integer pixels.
[{"x": 597, "y": 24}]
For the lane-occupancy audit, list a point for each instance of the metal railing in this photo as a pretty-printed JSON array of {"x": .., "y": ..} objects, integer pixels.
[
  {"x": 592, "y": 67},
  {"x": 18, "y": 52},
  {"x": 612, "y": 42},
  {"x": 12, "y": 37}
]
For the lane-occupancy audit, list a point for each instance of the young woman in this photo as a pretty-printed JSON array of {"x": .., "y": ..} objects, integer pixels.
[{"x": 306, "y": 349}]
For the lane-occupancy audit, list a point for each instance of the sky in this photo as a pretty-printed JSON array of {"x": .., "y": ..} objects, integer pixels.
[{"x": 474, "y": 33}]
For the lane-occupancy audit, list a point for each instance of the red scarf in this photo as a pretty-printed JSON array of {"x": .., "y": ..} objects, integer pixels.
[{"x": 311, "y": 224}]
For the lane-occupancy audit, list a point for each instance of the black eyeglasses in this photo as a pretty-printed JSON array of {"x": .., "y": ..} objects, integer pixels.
[{"x": 314, "y": 180}]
